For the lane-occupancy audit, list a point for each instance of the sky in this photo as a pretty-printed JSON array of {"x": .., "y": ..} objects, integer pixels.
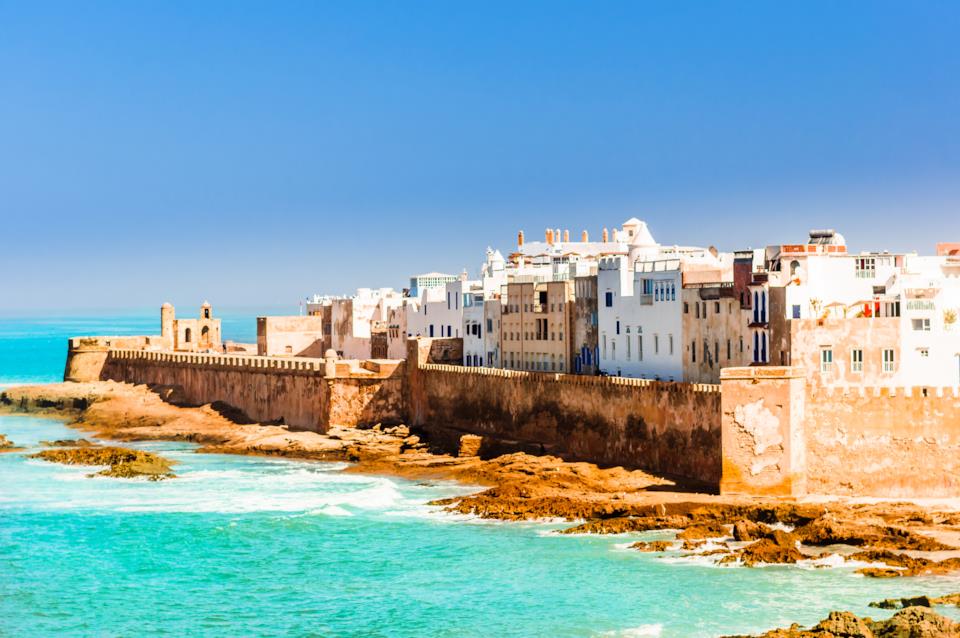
[{"x": 254, "y": 153}]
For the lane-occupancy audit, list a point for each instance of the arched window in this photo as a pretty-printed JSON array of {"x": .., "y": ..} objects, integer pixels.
[
  {"x": 205, "y": 335},
  {"x": 187, "y": 335},
  {"x": 793, "y": 267},
  {"x": 756, "y": 347},
  {"x": 763, "y": 347},
  {"x": 763, "y": 307},
  {"x": 756, "y": 307}
]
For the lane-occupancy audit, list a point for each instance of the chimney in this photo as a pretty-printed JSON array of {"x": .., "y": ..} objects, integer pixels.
[
  {"x": 584, "y": 237},
  {"x": 606, "y": 236},
  {"x": 549, "y": 236},
  {"x": 520, "y": 239},
  {"x": 556, "y": 235},
  {"x": 566, "y": 235}
]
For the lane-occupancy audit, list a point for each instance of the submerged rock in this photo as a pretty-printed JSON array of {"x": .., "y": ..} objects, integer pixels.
[
  {"x": 123, "y": 462},
  {"x": 651, "y": 546},
  {"x": 900, "y": 603},
  {"x": 5, "y": 443},
  {"x": 68, "y": 443}
]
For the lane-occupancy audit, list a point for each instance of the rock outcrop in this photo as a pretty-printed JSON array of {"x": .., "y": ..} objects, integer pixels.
[
  {"x": 122, "y": 462},
  {"x": 912, "y": 622}
]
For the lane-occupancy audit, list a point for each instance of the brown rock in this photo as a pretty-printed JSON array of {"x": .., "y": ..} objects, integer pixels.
[
  {"x": 912, "y": 622},
  {"x": 909, "y": 565},
  {"x": 845, "y": 624},
  {"x": 470, "y": 445},
  {"x": 702, "y": 532},
  {"x": 949, "y": 599},
  {"x": 764, "y": 551},
  {"x": 749, "y": 531},
  {"x": 651, "y": 546},
  {"x": 916, "y": 622},
  {"x": 830, "y": 530}
]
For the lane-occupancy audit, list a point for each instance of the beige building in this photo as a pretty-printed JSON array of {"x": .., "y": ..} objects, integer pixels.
[
  {"x": 715, "y": 331},
  {"x": 536, "y": 326},
  {"x": 586, "y": 352},
  {"x": 190, "y": 335},
  {"x": 291, "y": 336}
]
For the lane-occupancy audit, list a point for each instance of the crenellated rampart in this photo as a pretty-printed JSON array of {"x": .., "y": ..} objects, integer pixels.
[
  {"x": 762, "y": 431},
  {"x": 670, "y": 428}
]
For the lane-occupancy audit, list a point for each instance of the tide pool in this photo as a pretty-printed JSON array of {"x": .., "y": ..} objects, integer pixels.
[{"x": 248, "y": 546}]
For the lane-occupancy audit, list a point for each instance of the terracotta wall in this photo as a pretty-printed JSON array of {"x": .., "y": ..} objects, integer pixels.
[
  {"x": 296, "y": 392},
  {"x": 670, "y": 428},
  {"x": 882, "y": 442},
  {"x": 784, "y": 435}
]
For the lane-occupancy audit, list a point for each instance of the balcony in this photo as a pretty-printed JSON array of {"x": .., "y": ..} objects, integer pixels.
[{"x": 646, "y": 300}]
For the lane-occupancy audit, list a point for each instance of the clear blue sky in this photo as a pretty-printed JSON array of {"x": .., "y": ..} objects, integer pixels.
[{"x": 253, "y": 153}]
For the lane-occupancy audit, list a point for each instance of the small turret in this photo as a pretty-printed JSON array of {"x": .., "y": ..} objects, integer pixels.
[
  {"x": 566, "y": 236},
  {"x": 606, "y": 235},
  {"x": 167, "y": 318},
  {"x": 520, "y": 239},
  {"x": 584, "y": 237}
]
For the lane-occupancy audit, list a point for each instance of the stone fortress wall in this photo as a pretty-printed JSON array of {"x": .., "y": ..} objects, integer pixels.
[
  {"x": 762, "y": 431},
  {"x": 669, "y": 428},
  {"x": 304, "y": 393}
]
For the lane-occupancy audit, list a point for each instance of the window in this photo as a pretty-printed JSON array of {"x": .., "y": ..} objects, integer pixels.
[
  {"x": 656, "y": 344},
  {"x": 888, "y": 360},
  {"x": 693, "y": 351},
  {"x": 639, "y": 347},
  {"x": 618, "y": 327},
  {"x": 628, "y": 347},
  {"x": 448, "y": 301},
  {"x": 670, "y": 343},
  {"x": 697, "y": 308},
  {"x": 741, "y": 345},
  {"x": 604, "y": 346},
  {"x": 763, "y": 348},
  {"x": 188, "y": 335},
  {"x": 613, "y": 349},
  {"x": 924, "y": 352},
  {"x": 865, "y": 267},
  {"x": 716, "y": 351},
  {"x": 921, "y": 325},
  {"x": 716, "y": 307},
  {"x": 686, "y": 308},
  {"x": 826, "y": 360},
  {"x": 609, "y": 300},
  {"x": 489, "y": 325},
  {"x": 796, "y": 311},
  {"x": 729, "y": 350},
  {"x": 431, "y": 330},
  {"x": 856, "y": 360}
]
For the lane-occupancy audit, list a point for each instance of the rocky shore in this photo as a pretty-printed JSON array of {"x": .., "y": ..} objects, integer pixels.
[
  {"x": 886, "y": 539},
  {"x": 911, "y": 622}
]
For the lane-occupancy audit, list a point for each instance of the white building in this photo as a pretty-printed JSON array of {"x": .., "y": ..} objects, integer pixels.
[
  {"x": 353, "y": 319},
  {"x": 639, "y": 306}
]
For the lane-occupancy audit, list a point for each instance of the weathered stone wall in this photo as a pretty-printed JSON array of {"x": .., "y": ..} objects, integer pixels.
[
  {"x": 763, "y": 440},
  {"x": 671, "y": 428},
  {"x": 786, "y": 436},
  {"x": 86, "y": 356},
  {"x": 897, "y": 443},
  {"x": 294, "y": 391}
]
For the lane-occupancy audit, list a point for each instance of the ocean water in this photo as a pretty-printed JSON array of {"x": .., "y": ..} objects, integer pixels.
[{"x": 244, "y": 546}]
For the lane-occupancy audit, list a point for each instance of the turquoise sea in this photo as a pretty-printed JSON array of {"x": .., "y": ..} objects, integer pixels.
[{"x": 241, "y": 546}]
